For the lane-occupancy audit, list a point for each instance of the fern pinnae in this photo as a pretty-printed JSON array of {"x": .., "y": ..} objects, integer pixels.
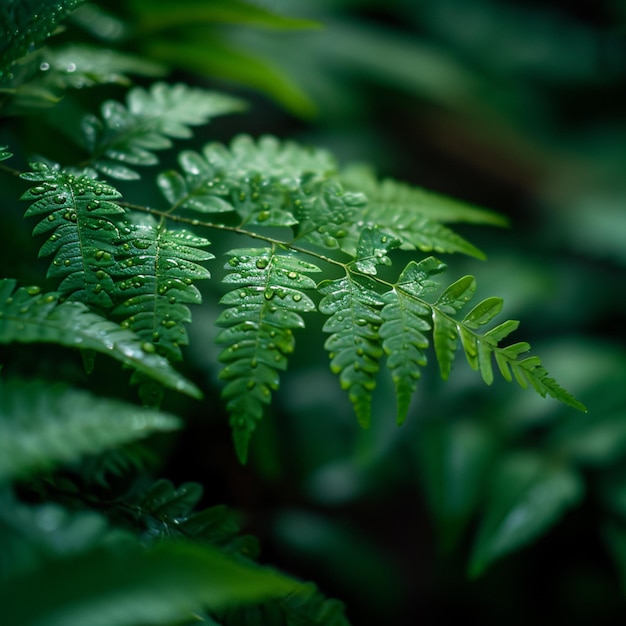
[
  {"x": 263, "y": 310},
  {"x": 129, "y": 135},
  {"x": 33, "y": 413},
  {"x": 29, "y": 316},
  {"x": 156, "y": 270},
  {"x": 78, "y": 211},
  {"x": 354, "y": 345},
  {"x": 405, "y": 324},
  {"x": 4, "y": 153}
]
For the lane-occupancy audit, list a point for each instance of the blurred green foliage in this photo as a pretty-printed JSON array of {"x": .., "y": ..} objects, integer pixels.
[{"x": 515, "y": 107}]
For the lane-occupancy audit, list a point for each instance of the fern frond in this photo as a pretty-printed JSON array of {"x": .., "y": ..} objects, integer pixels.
[
  {"x": 405, "y": 324},
  {"x": 258, "y": 335},
  {"x": 29, "y": 316},
  {"x": 354, "y": 344},
  {"x": 479, "y": 347},
  {"x": 399, "y": 196},
  {"x": 262, "y": 181},
  {"x": 157, "y": 267},
  {"x": 168, "y": 511},
  {"x": 4, "y": 154},
  {"x": 414, "y": 216},
  {"x": 119, "y": 583},
  {"x": 78, "y": 210},
  {"x": 24, "y": 24},
  {"x": 43, "y": 425},
  {"x": 129, "y": 135}
]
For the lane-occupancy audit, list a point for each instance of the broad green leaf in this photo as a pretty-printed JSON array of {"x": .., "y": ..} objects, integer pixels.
[
  {"x": 528, "y": 496},
  {"x": 119, "y": 584},
  {"x": 212, "y": 57},
  {"x": 29, "y": 316},
  {"x": 43, "y": 425},
  {"x": 162, "y": 14}
]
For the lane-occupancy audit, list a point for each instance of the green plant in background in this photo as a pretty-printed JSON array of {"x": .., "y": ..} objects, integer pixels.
[{"x": 89, "y": 534}]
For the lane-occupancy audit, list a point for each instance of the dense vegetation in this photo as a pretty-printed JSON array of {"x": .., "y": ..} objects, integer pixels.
[{"x": 192, "y": 270}]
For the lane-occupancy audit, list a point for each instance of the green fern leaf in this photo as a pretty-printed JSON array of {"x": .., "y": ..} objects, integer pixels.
[
  {"x": 372, "y": 250},
  {"x": 4, "y": 154},
  {"x": 78, "y": 210},
  {"x": 479, "y": 347},
  {"x": 32, "y": 414},
  {"x": 129, "y": 135},
  {"x": 354, "y": 344},
  {"x": 402, "y": 197},
  {"x": 25, "y": 24},
  {"x": 445, "y": 332},
  {"x": 261, "y": 180},
  {"x": 413, "y": 215},
  {"x": 118, "y": 584},
  {"x": 258, "y": 335},
  {"x": 29, "y": 316},
  {"x": 157, "y": 268},
  {"x": 404, "y": 328}
]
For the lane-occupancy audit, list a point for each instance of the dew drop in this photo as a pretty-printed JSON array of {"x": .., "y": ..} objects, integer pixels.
[
  {"x": 263, "y": 216},
  {"x": 33, "y": 291},
  {"x": 297, "y": 297},
  {"x": 60, "y": 199},
  {"x": 269, "y": 294},
  {"x": 262, "y": 263},
  {"x": 51, "y": 218},
  {"x": 148, "y": 347}
]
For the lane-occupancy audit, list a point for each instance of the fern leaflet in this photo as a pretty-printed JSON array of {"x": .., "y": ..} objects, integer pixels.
[
  {"x": 157, "y": 268},
  {"x": 404, "y": 328},
  {"x": 4, "y": 154},
  {"x": 32, "y": 414},
  {"x": 354, "y": 344},
  {"x": 258, "y": 335},
  {"x": 265, "y": 182},
  {"x": 78, "y": 210},
  {"x": 129, "y": 135},
  {"x": 29, "y": 316}
]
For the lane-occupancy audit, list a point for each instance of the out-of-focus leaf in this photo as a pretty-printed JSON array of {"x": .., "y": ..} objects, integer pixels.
[
  {"x": 529, "y": 494},
  {"x": 212, "y": 57},
  {"x": 454, "y": 458},
  {"x": 120, "y": 585}
]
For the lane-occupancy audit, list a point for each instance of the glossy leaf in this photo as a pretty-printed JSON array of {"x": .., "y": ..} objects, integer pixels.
[
  {"x": 528, "y": 496},
  {"x": 29, "y": 316},
  {"x": 4, "y": 154},
  {"x": 34, "y": 413}
]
